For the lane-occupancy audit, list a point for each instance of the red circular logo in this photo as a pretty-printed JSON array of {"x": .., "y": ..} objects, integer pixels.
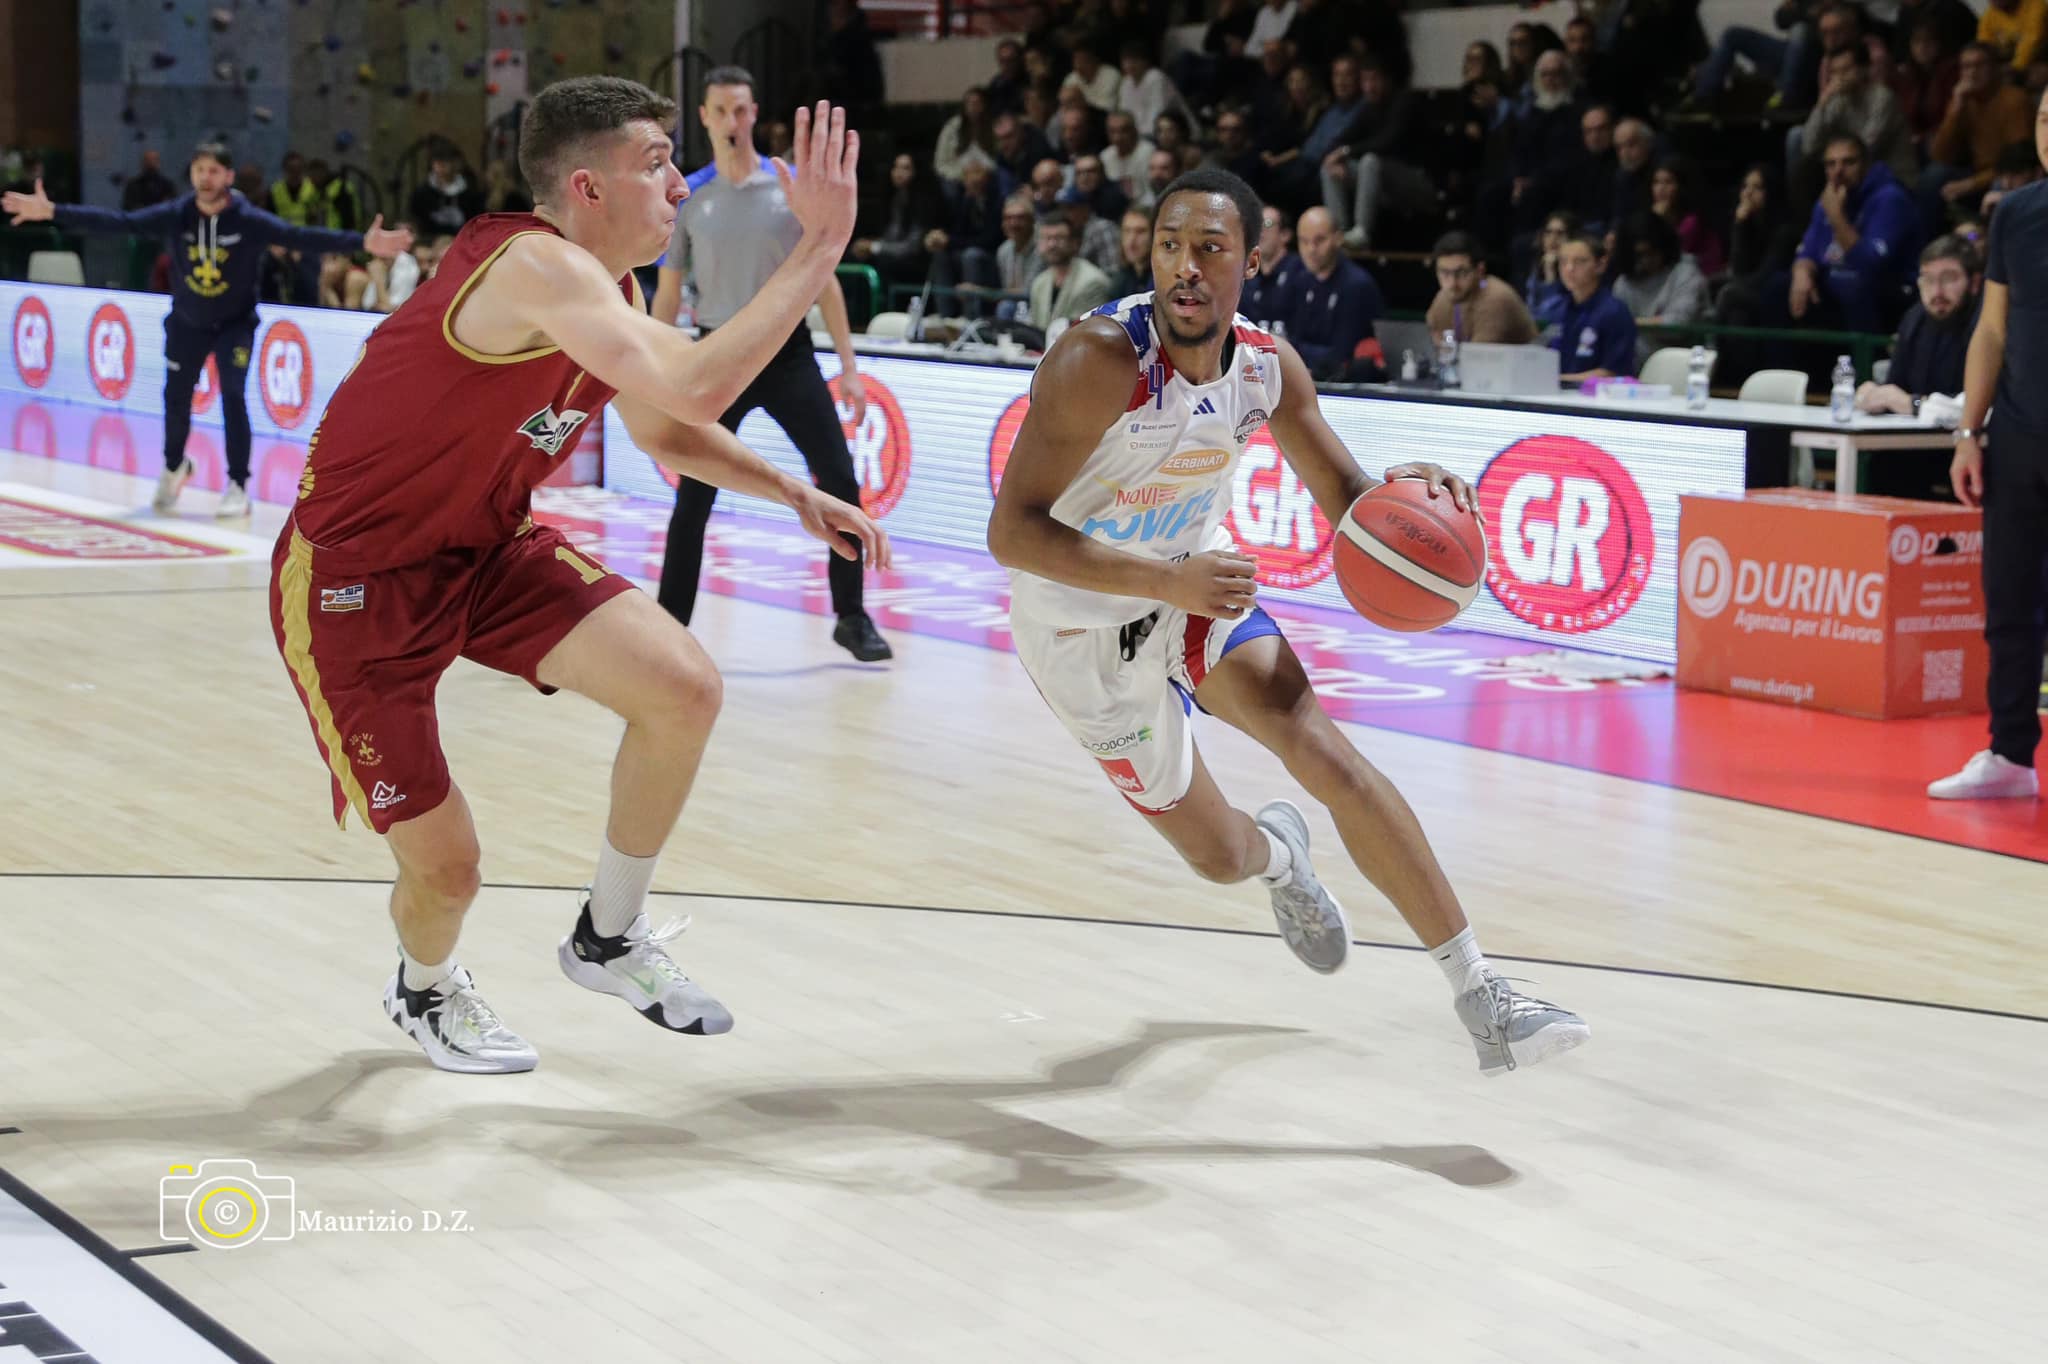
[
  {"x": 111, "y": 444},
  {"x": 1003, "y": 437},
  {"x": 1274, "y": 518},
  {"x": 34, "y": 432},
  {"x": 35, "y": 342},
  {"x": 284, "y": 368},
  {"x": 880, "y": 445},
  {"x": 207, "y": 390},
  {"x": 110, "y": 350},
  {"x": 1575, "y": 540}
]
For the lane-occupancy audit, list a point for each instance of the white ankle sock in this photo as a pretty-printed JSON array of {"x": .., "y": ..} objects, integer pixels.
[
  {"x": 1461, "y": 960},
  {"x": 1283, "y": 861},
  {"x": 619, "y": 891},
  {"x": 421, "y": 976}
]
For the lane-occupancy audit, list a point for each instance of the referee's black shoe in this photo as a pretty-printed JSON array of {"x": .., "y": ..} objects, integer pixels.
[{"x": 856, "y": 634}]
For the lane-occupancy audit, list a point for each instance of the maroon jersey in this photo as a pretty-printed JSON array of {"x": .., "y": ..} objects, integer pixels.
[{"x": 429, "y": 445}]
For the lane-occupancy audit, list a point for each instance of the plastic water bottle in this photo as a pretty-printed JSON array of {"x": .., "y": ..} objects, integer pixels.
[
  {"x": 1411, "y": 368},
  {"x": 1696, "y": 379},
  {"x": 913, "y": 323},
  {"x": 1447, "y": 360},
  {"x": 1842, "y": 399}
]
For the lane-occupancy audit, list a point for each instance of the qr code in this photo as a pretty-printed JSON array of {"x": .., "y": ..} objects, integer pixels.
[{"x": 1941, "y": 675}]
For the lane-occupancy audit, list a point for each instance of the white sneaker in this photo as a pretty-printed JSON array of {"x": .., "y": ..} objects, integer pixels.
[
  {"x": 169, "y": 484},
  {"x": 455, "y": 1028},
  {"x": 234, "y": 502},
  {"x": 1510, "y": 1029},
  {"x": 1986, "y": 776},
  {"x": 1355, "y": 239},
  {"x": 635, "y": 967}
]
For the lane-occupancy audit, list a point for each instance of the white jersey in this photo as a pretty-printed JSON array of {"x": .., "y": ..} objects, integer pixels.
[{"x": 1158, "y": 484}]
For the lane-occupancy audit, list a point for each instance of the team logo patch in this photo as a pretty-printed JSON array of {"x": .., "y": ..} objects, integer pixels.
[
  {"x": 1123, "y": 775},
  {"x": 1248, "y": 427},
  {"x": 550, "y": 431},
  {"x": 363, "y": 748},
  {"x": 342, "y": 598},
  {"x": 384, "y": 795}
]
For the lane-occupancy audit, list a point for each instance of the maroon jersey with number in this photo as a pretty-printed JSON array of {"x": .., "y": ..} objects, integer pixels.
[{"x": 429, "y": 445}]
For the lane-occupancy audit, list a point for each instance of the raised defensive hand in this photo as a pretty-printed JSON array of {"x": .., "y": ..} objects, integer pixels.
[
  {"x": 28, "y": 208},
  {"x": 387, "y": 242},
  {"x": 819, "y": 180}
]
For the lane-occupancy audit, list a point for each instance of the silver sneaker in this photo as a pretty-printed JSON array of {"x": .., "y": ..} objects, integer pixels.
[
  {"x": 455, "y": 1028},
  {"x": 1310, "y": 920},
  {"x": 635, "y": 967},
  {"x": 169, "y": 484},
  {"x": 234, "y": 503},
  {"x": 1510, "y": 1029}
]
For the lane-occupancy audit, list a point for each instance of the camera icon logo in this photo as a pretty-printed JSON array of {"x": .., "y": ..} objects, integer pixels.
[{"x": 225, "y": 1204}]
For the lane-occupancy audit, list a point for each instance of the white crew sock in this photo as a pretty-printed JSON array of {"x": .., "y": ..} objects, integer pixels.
[
  {"x": 1462, "y": 961},
  {"x": 619, "y": 891},
  {"x": 420, "y": 975},
  {"x": 1283, "y": 861}
]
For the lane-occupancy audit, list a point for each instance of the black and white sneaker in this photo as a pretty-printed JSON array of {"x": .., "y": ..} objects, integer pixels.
[
  {"x": 856, "y": 633},
  {"x": 635, "y": 967},
  {"x": 455, "y": 1028}
]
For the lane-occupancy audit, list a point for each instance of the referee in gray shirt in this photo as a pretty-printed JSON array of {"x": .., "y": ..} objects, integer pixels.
[{"x": 731, "y": 234}]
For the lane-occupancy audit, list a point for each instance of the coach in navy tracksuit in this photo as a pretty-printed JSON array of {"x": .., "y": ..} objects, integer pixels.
[{"x": 216, "y": 241}]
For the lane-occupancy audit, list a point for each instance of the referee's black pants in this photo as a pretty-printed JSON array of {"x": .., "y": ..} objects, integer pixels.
[
  {"x": 2015, "y": 587},
  {"x": 792, "y": 392},
  {"x": 185, "y": 350}
]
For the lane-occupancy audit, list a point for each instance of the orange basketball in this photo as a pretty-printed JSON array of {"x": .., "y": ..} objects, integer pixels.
[{"x": 1409, "y": 561}]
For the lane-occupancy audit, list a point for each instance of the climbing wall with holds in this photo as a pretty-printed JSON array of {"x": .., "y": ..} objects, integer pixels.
[{"x": 170, "y": 73}]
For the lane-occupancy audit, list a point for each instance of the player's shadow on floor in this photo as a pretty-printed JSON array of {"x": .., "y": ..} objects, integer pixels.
[{"x": 825, "y": 1132}]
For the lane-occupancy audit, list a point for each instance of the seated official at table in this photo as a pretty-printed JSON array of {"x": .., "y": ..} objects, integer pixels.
[
  {"x": 1934, "y": 337},
  {"x": 1596, "y": 336},
  {"x": 1470, "y": 303}
]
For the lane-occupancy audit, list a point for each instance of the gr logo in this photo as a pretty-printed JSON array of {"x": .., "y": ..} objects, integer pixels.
[
  {"x": 284, "y": 366},
  {"x": 1706, "y": 577}
]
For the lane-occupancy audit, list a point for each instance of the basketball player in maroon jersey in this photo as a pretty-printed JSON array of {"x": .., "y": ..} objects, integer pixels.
[
  {"x": 1125, "y": 622},
  {"x": 411, "y": 544}
]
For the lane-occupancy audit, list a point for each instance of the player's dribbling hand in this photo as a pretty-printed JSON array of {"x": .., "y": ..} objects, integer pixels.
[
  {"x": 1221, "y": 584},
  {"x": 821, "y": 190},
  {"x": 28, "y": 208},
  {"x": 1440, "y": 480},
  {"x": 832, "y": 521}
]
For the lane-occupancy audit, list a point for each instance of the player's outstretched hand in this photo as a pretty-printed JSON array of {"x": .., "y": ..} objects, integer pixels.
[
  {"x": 832, "y": 521},
  {"x": 1440, "y": 480},
  {"x": 1221, "y": 584},
  {"x": 387, "y": 242},
  {"x": 28, "y": 208},
  {"x": 818, "y": 180}
]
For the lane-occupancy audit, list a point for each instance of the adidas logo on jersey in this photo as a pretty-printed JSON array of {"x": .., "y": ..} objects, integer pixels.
[
  {"x": 1206, "y": 407},
  {"x": 550, "y": 431}
]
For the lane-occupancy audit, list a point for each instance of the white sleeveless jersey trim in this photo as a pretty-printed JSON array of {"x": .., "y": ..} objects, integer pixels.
[{"x": 1158, "y": 484}]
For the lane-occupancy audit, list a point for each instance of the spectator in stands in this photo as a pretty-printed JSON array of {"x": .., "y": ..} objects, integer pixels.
[
  {"x": 1924, "y": 78},
  {"x": 1592, "y": 179},
  {"x": 1017, "y": 260},
  {"x": 1077, "y": 132},
  {"x": 1547, "y": 145},
  {"x": 1672, "y": 195},
  {"x": 849, "y": 68},
  {"x": 1321, "y": 29},
  {"x": 1381, "y": 33},
  {"x": 1986, "y": 115},
  {"x": 249, "y": 184},
  {"x": 1523, "y": 54},
  {"x": 972, "y": 127},
  {"x": 1478, "y": 147},
  {"x": 1171, "y": 133},
  {"x": 1654, "y": 280},
  {"x": 1098, "y": 82},
  {"x": 338, "y": 204},
  {"x": 1134, "y": 273},
  {"x": 1068, "y": 286},
  {"x": 1019, "y": 147},
  {"x": 292, "y": 196},
  {"x": 1042, "y": 110},
  {"x": 1006, "y": 88},
  {"x": 1790, "y": 58},
  {"x": 1266, "y": 293},
  {"x": 148, "y": 186},
  {"x": 1043, "y": 65},
  {"x": 1863, "y": 235},
  {"x": 1125, "y": 158},
  {"x": 2012, "y": 29},
  {"x": 1160, "y": 172},
  {"x": 776, "y": 138},
  {"x": 1294, "y": 174},
  {"x": 1591, "y": 70},
  {"x": 1223, "y": 63},
  {"x": 1761, "y": 236},
  {"x": 899, "y": 254},
  {"x": 1955, "y": 23},
  {"x": 1234, "y": 151},
  {"x": 964, "y": 251},
  {"x": 1544, "y": 289},
  {"x": 1482, "y": 63},
  {"x": 502, "y": 191},
  {"x": 1269, "y": 27},
  {"x": 1471, "y": 304},
  {"x": 2018, "y": 167},
  {"x": 1332, "y": 303},
  {"x": 1379, "y": 163},
  {"x": 446, "y": 200},
  {"x": 1146, "y": 92},
  {"x": 1635, "y": 151},
  {"x": 1047, "y": 180},
  {"x": 1104, "y": 195},
  {"x": 1596, "y": 336},
  {"x": 1850, "y": 103},
  {"x": 1095, "y": 237},
  {"x": 1934, "y": 336}
]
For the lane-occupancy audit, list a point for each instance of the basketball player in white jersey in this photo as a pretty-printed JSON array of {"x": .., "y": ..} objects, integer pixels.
[{"x": 1130, "y": 605}]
